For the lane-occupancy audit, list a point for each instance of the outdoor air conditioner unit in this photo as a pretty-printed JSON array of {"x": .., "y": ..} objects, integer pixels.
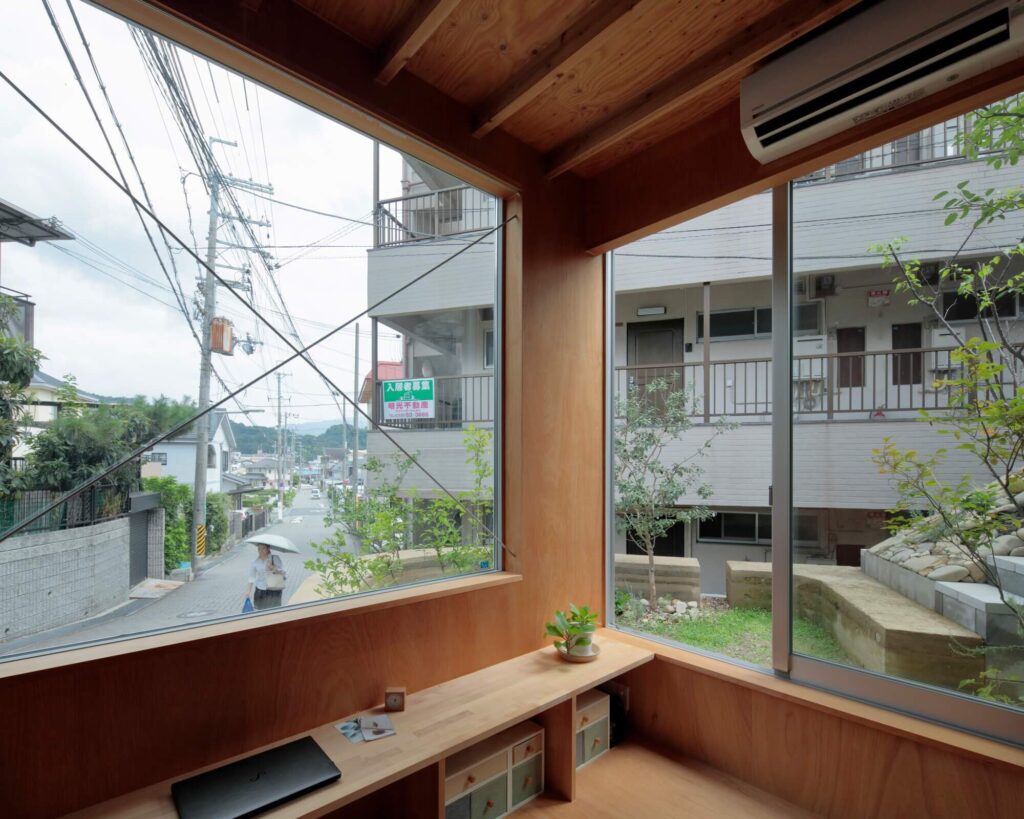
[{"x": 891, "y": 54}]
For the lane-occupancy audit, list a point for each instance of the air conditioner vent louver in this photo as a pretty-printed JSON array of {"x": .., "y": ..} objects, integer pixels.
[{"x": 889, "y": 55}]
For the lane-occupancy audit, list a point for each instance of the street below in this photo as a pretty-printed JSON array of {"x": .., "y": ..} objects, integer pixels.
[{"x": 218, "y": 590}]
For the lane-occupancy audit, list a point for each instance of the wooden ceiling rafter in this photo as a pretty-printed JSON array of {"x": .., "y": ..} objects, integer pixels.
[
  {"x": 731, "y": 59},
  {"x": 421, "y": 23},
  {"x": 592, "y": 31}
]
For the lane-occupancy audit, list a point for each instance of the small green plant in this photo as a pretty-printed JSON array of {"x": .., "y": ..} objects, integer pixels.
[{"x": 573, "y": 629}]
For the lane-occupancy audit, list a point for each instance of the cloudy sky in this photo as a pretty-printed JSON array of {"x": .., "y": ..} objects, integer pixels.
[{"x": 104, "y": 310}]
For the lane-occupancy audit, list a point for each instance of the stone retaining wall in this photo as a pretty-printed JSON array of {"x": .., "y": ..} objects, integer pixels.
[
  {"x": 877, "y": 627},
  {"x": 50, "y": 579},
  {"x": 676, "y": 577}
]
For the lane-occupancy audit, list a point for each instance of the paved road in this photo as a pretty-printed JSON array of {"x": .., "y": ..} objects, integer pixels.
[{"x": 219, "y": 589}]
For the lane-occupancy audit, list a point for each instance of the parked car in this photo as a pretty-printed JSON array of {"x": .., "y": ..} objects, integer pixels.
[{"x": 316, "y": 494}]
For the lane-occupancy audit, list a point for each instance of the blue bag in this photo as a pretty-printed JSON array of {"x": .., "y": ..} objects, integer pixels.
[{"x": 247, "y": 606}]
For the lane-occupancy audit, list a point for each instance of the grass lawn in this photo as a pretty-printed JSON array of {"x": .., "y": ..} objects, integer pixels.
[{"x": 745, "y": 634}]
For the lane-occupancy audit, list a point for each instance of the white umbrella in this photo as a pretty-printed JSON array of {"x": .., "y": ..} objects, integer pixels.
[{"x": 275, "y": 542}]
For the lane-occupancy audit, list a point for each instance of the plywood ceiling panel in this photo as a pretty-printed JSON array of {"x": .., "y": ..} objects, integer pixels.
[
  {"x": 661, "y": 38},
  {"x": 663, "y": 128},
  {"x": 370, "y": 22},
  {"x": 485, "y": 42}
]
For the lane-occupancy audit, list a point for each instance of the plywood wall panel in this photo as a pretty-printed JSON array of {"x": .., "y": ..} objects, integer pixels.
[{"x": 829, "y": 765}]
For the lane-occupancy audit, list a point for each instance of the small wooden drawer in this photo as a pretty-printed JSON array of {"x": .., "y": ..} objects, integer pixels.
[
  {"x": 591, "y": 706},
  {"x": 595, "y": 740},
  {"x": 527, "y": 780},
  {"x": 471, "y": 778},
  {"x": 524, "y": 750},
  {"x": 489, "y": 801}
]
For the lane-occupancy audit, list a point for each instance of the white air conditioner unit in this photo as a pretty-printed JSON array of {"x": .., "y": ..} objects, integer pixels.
[{"x": 889, "y": 55}]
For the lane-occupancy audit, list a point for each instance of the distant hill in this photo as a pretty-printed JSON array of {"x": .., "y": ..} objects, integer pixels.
[{"x": 253, "y": 439}]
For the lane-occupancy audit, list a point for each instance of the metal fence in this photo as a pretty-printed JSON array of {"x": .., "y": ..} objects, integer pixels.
[
  {"x": 431, "y": 215},
  {"x": 458, "y": 400},
  {"x": 888, "y": 383},
  {"x": 96, "y": 504}
]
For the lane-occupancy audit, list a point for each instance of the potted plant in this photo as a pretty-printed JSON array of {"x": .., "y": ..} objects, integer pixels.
[{"x": 574, "y": 630}]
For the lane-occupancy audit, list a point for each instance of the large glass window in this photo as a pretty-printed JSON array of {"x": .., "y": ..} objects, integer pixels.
[
  {"x": 321, "y": 310},
  {"x": 905, "y": 442},
  {"x": 898, "y": 538},
  {"x": 690, "y": 528}
]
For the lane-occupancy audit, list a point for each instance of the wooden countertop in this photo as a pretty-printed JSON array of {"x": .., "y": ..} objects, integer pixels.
[{"x": 437, "y": 723}]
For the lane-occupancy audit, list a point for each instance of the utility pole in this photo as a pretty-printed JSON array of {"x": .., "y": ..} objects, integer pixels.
[
  {"x": 355, "y": 419},
  {"x": 280, "y": 454},
  {"x": 202, "y": 426}
]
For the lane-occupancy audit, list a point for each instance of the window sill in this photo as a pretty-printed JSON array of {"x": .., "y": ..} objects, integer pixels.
[
  {"x": 355, "y": 605},
  {"x": 766, "y": 682}
]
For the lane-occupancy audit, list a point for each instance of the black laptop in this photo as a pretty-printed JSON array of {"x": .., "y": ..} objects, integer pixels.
[{"x": 256, "y": 783}]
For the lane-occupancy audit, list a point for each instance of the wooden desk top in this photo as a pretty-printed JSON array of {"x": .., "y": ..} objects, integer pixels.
[{"x": 437, "y": 723}]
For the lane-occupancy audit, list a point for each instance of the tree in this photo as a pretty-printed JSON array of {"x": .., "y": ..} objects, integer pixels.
[
  {"x": 648, "y": 487},
  {"x": 985, "y": 412},
  {"x": 18, "y": 363},
  {"x": 363, "y": 550}
]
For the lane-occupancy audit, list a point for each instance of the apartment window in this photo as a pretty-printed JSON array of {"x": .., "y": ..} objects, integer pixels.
[
  {"x": 731, "y": 325},
  {"x": 489, "y": 349},
  {"x": 156, "y": 458},
  {"x": 449, "y": 205},
  {"x": 957, "y": 307}
]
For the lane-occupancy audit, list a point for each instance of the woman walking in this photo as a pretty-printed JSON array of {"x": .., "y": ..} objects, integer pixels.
[{"x": 266, "y": 579}]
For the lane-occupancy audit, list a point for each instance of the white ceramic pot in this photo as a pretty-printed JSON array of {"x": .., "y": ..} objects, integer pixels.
[{"x": 583, "y": 651}]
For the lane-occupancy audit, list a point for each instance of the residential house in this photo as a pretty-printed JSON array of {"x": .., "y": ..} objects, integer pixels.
[{"x": 176, "y": 457}]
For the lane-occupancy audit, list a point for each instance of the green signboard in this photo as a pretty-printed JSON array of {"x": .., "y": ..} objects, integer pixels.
[{"x": 408, "y": 399}]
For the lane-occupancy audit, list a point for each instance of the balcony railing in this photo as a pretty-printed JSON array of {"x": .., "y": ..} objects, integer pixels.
[
  {"x": 884, "y": 384},
  {"x": 432, "y": 215},
  {"x": 458, "y": 400}
]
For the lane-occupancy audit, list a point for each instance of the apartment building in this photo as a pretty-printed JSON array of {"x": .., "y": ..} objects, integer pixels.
[{"x": 866, "y": 360}]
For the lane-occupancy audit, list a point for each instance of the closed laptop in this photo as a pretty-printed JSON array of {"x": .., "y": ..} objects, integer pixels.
[{"x": 256, "y": 783}]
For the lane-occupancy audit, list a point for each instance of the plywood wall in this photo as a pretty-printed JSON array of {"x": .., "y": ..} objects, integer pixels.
[{"x": 832, "y": 766}]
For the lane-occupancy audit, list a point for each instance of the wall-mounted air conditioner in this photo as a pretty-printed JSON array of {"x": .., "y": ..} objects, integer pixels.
[{"x": 891, "y": 54}]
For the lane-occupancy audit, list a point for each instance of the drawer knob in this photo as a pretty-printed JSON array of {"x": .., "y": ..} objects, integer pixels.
[
  {"x": 597, "y": 741},
  {"x": 490, "y": 804},
  {"x": 528, "y": 780},
  {"x": 529, "y": 749},
  {"x": 470, "y": 779},
  {"x": 585, "y": 720}
]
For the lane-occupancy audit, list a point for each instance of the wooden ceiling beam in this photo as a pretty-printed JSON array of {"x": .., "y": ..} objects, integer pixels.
[
  {"x": 734, "y": 57},
  {"x": 424, "y": 19},
  {"x": 709, "y": 165},
  {"x": 595, "y": 29}
]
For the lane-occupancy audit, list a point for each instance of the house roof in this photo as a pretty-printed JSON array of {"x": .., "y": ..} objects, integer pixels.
[
  {"x": 45, "y": 381},
  {"x": 385, "y": 370},
  {"x": 218, "y": 419}
]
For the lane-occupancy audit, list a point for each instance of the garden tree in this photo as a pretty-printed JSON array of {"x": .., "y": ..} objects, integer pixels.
[
  {"x": 647, "y": 486},
  {"x": 439, "y": 521},
  {"x": 382, "y": 522},
  {"x": 18, "y": 363},
  {"x": 363, "y": 550},
  {"x": 985, "y": 389}
]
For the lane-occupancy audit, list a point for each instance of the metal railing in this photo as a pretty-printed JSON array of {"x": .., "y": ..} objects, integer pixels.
[
  {"x": 882, "y": 384},
  {"x": 432, "y": 215},
  {"x": 939, "y": 143},
  {"x": 96, "y": 504},
  {"x": 458, "y": 400}
]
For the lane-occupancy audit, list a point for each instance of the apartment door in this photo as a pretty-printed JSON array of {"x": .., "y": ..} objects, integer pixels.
[
  {"x": 653, "y": 350},
  {"x": 850, "y": 368},
  {"x": 906, "y": 367}
]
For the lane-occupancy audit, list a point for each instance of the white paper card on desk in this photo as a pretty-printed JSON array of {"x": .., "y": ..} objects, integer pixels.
[{"x": 376, "y": 727}]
